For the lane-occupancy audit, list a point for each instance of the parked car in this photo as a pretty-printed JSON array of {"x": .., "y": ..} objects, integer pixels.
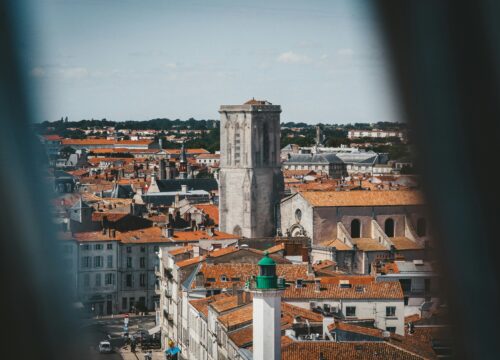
[{"x": 105, "y": 347}]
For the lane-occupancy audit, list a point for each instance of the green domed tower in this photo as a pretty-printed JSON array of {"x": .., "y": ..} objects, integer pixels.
[{"x": 267, "y": 278}]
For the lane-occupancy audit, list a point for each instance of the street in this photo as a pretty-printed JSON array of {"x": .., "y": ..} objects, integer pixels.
[{"x": 94, "y": 331}]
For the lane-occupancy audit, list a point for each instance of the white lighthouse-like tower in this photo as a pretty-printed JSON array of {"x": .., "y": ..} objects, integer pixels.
[{"x": 267, "y": 312}]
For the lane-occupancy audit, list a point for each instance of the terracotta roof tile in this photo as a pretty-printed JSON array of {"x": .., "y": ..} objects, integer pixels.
[
  {"x": 211, "y": 210},
  {"x": 202, "y": 304},
  {"x": 363, "y": 198},
  {"x": 380, "y": 290},
  {"x": 300, "y": 350}
]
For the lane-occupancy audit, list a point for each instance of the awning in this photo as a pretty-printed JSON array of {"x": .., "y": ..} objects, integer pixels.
[{"x": 154, "y": 330}]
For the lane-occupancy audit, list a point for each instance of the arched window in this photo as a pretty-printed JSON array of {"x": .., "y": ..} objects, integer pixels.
[
  {"x": 421, "y": 227},
  {"x": 355, "y": 228},
  {"x": 237, "y": 230},
  {"x": 389, "y": 227}
]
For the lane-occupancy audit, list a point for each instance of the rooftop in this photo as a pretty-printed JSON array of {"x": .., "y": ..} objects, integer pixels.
[{"x": 363, "y": 198}]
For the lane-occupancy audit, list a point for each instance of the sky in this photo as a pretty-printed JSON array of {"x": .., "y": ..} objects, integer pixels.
[{"x": 322, "y": 61}]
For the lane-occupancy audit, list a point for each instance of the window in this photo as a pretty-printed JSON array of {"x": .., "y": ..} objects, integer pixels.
[
  {"x": 156, "y": 248},
  {"x": 355, "y": 228},
  {"x": 129, "y": 262},
  {"x": 405, "y": 284},
  {"x": 86, "y": 262},
  {"x": 421, "y": 227},
  {"x": 98, "y": 247},
  {"x": 390, "y": 311},
  {"x": 223, "y": 278},
  {"x": 110, "y": 261},
  {"x": 109, "y": 246},
  {"x": 86, "y": 280},
  {"x": 142, "y": 280},
  {"x": 142, "y": 262},
  {"x": 129, "y": 249},
  {"x": 128, "y": 280},
  {"x": 98, "y": 261},
  {"x": 86, "y": 247},
  {"x": 109, "y": 279},
  {"x": 143, "y": 249},
  {"x": 391, "y": 329},
  {"x": 97, "y": 280},
  {"x": 298, "y": 215},
  {"x": 389, "y": 227},
  {"x": 350, "y": 311},
  {"x": 124, "y": 303}
]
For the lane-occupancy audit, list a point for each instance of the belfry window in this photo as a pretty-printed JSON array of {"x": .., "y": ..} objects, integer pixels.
[
  {"x": 355, "y": 228},
  {"x": 389, "y": 227}
]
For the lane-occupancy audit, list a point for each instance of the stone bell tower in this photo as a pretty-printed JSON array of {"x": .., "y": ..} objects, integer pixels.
[{"x": 250, "y": 170}]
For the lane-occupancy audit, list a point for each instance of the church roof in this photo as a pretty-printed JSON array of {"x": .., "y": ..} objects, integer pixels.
[
  {"x": 363, "y": 198},
  {"x": 170, "y": 185}
]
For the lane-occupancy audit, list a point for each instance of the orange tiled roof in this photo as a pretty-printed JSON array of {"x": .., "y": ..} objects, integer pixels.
[
  {"x": 180, "y": 250},
  {"x": 380, "y": 290},
  {"x": 98, "y": 216},
  {"x": 201, "y": 235},
  {"x": 300, "y": 350},
  {"x": 52, "y": 137},
  {"x": 353, "y": 279},
  {"x": 244, "y": 315},
  {"x": 276, "y": 248},
  {"x": 238, "y": 273},
  {"x": 191, "y": 261},
  {"x": 230, "y": 302},
  {"x": 338, "y": 244},
  {"x": 202, "y": 304},
  {"x": 369, "y": 244},
  {"x": 363, "y": 198},
  {"x": 211, "y": 210},
  {"x": 356, "y": 329},
  {"x": 208, "y": 156},
  {"x": 188, "y": 151},
  {"x": 403, "y": 243}
]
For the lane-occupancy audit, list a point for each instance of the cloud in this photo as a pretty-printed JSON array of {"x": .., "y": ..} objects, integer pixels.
[
  {"x": 38, "y": 72},
  {"x": 74, "y": 72},
  {"x": 345, "y": 52},
  {"x": 170, "y": 65},
  {"x": 290, "y": 57}
]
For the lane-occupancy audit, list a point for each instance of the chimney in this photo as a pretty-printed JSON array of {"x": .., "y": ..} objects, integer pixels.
[
  {"x": 247, "y": 297},
  {"x": 239, "y": 295},
  {"x": 317, "y": 285},
  {"x": 210, "y": 231},
  {"x": 196, "y": 251},
  {"x": 104, "y": 231},
  {"x": 233, "y": 291},
  {"x": 184, "y": 188},
  {"x": 169, "y": 232},
  {"x": 193, "y": 225},
  {"x": 113, "y": 233},
  {"x": 327, "y": 321},
  {"x": 310, "y": 270}
]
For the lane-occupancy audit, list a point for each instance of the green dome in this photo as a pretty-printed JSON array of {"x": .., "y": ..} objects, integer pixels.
[{"x": 266, "y": 260}]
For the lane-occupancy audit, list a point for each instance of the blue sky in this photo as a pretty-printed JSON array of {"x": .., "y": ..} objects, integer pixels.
[{"x": 322, "y": 61}]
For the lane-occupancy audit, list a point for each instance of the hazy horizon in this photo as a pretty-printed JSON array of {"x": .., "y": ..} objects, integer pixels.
[{"x": 322, "y": 61}]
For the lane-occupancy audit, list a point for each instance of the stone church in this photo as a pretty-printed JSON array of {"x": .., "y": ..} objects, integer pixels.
[{"x": 251, "y": 181}]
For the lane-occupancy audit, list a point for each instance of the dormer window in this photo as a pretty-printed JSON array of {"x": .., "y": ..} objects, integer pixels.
[{"x": 223, "y": 278}]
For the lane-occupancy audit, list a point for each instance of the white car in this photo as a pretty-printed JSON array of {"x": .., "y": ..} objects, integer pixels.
[{"x": 105, "y": 347}]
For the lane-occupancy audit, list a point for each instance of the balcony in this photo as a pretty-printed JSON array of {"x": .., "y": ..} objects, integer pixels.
[
  {"x": 157, "y": 271},
  {"x": 157, "y": 289}
]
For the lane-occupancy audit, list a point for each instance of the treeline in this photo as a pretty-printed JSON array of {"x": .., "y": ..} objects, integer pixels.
[{"x": 60, "y": 126}]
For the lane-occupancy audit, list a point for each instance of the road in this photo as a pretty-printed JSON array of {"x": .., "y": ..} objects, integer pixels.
[{"x": 95, "y": 330}]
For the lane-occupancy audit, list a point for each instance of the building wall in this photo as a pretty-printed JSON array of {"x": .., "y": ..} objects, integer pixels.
[{"x": 365, "y": 309}]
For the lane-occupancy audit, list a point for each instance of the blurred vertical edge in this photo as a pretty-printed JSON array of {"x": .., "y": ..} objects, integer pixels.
[
  {"x": 36, "y": 317},
  {"x": 445, "y": 58}
]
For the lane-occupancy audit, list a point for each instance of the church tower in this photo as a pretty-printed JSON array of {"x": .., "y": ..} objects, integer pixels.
[{"x": 250, "y": 170}]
